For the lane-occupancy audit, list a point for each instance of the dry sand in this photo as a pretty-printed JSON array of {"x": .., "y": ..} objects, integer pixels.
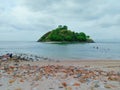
[{"x": 60, "y": 75}]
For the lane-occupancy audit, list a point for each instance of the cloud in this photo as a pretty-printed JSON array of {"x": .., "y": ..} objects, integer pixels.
[{"x": 95, "y": 17}]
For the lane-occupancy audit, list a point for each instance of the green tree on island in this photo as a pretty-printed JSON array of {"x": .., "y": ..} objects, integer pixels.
[{"x": 62, "y": 34}]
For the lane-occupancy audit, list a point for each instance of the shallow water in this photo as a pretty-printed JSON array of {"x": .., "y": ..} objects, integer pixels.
[{"x": 64, "y": 51}]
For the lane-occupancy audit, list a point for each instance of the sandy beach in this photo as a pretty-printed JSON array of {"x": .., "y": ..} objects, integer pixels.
[{"x": 60, "y": 75}]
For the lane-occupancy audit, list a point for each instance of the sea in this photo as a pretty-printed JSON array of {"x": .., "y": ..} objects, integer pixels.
[{"x": 63, "y": 51}]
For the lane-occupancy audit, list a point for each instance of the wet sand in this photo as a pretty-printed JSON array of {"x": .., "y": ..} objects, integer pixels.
[{"x": 60, "y": 75}]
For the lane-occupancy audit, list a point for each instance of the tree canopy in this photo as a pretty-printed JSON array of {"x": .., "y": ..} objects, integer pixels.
[{"x": 62, "y": 34}]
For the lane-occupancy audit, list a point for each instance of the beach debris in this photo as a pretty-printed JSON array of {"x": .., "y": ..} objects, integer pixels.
[
  {"x": 21, "y": 80},
  {"x": 114, "y": 78},
  {"x": 60, "y": 87},
  {"x": 64, "y": 84},
  {"x": 18, "y": 88},
  {"x": 0, "y": 75},
  {"x": 11, "y": 81},
  {"x": 51, "y": 88},
  {"x": 91, "y": 88},
  {"x": 109, "y": 86},
  {"x": 1, "y": 84},
  {"x": 76, "y": 84},
  {"x": 96, "y": 83},
  {"x": 69, "y": 88}
]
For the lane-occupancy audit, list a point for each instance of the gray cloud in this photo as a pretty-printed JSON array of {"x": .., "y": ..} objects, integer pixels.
[{"x": 91, "y": 16}]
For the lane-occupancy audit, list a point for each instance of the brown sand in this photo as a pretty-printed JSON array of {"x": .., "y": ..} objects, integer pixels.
[{"x": 60, "y": 75}]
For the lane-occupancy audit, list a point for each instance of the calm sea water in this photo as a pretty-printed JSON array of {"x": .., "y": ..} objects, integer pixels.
[{"x": 64, "y": 51}]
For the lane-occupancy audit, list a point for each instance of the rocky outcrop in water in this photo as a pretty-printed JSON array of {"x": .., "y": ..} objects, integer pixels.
[{"x": 62, "y": 34}]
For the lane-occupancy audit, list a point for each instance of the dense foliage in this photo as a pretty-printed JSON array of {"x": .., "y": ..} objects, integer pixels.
[{"x": 62, "y": 34}]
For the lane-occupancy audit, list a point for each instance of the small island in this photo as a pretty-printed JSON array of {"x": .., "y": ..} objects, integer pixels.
[{"x": 63, "y": 35}]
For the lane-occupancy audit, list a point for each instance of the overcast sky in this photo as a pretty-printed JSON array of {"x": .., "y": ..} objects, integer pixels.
[{"x": 27, "y": 20}]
